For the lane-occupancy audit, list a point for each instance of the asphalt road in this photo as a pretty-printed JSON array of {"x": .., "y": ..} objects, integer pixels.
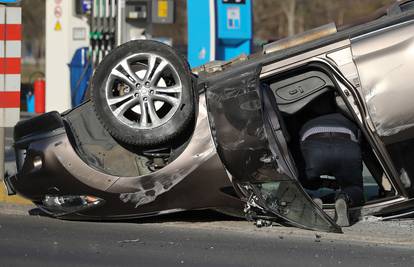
[{"x": 41, "y": 241}]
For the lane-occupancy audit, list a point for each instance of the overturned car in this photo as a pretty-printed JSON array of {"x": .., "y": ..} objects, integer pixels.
[{"x": 158, "y": 138}]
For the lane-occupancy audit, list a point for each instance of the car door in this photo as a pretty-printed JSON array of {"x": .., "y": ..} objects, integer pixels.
[{"x": 251, "y": 143}]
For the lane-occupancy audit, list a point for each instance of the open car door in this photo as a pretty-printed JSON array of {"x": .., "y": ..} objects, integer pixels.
[{"x": 251, "y": 143}]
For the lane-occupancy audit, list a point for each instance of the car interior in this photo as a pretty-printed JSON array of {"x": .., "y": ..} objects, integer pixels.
[{"x": 304, "y": 94}]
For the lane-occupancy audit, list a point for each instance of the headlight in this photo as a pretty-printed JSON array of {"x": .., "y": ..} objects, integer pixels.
[{"x": 61, "y": 205}]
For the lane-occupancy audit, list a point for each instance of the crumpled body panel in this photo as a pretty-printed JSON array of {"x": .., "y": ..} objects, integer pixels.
[
  {"x": 385, "y": 62},
  {"x": 236, "y": 121}
]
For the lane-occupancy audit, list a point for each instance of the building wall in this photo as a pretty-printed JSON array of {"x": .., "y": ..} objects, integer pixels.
[{"x": 60, "y": 47}]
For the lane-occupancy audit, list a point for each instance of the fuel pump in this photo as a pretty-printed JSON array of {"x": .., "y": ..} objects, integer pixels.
[
  {"x": 135, "y": 20},
  {"x": 109, "y": 36},
  {"x": 109, "y": 23},
  {"x": 115, "y": 22},
  {"x": 103, "y": 29}
]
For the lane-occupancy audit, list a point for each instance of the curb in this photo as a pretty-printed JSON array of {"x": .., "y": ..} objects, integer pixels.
[
  {"x": 15, "y": 209},
  {"x": 15, "y": 200}
]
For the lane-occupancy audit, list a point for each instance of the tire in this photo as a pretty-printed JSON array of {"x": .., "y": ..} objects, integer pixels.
[{"x": 142, "y": 107}]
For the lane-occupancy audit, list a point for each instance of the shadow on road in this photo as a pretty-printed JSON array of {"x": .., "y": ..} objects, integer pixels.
[{"x": 195, "y": 216}]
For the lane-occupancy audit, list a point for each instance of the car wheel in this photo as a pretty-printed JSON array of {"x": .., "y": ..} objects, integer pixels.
[{"x": 143, "y": 93}]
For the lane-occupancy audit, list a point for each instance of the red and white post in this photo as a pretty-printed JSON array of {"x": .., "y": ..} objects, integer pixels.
[{"x": 10, "y": 72}]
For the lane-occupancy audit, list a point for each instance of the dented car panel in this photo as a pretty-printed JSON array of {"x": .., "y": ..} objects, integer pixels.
[
  {"x": 186, "y": 183},
  {"x": 237, "y": 126},
  {"x": 385, "y": 59}
]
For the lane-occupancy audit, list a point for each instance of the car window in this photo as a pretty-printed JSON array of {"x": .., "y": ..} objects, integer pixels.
[{"x": 407, "y": 6}]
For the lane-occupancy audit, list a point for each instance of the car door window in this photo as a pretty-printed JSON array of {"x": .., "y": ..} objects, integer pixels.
[{"x": 287, "y": 198}]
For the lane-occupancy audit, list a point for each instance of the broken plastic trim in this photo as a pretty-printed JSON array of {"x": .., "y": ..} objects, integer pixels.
[
  {"x": 62, "y": 205},
  {"x": 284, "y": 199}
]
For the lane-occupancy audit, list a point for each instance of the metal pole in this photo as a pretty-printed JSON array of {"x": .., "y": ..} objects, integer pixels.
[{"x": 2, "y": 152}]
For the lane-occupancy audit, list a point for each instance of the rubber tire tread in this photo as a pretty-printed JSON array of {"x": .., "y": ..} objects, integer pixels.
[{"x": 144, "y": 137}]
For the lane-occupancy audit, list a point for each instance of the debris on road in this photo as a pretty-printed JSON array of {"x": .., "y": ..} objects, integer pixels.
[{"x": 129, "y": 241}]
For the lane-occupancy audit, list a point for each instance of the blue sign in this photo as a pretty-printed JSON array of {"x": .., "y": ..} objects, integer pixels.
[{"x": 86, "y": 6}]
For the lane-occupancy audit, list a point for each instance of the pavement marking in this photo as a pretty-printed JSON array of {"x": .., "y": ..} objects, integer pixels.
[{"x": 11, "y": 199}]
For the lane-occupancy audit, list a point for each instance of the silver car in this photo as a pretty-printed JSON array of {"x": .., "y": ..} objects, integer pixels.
[{"x": 158, "y": 138}]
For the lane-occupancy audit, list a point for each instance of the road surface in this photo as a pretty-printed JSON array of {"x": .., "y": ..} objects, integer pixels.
[{"x": 192, "y": 239}]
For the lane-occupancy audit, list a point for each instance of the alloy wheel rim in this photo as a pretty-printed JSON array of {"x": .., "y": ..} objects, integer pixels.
[{"x": 143, "y": 91}]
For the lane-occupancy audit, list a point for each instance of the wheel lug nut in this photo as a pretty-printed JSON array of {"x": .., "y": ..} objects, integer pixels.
[
  {"x": 136, "y": 94},
  {"x": 152, "y": 92},
  {"x": 147, "y": 84},
  {"x": 145, "y": 98},
  {"x": 138, "y": 85}
]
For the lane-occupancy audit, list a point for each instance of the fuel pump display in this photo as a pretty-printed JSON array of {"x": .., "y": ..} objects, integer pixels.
[
  {"x": 83, "y": 7},
  {"x": 103, "y": 29},
  {"x": 114, "y": 22}
]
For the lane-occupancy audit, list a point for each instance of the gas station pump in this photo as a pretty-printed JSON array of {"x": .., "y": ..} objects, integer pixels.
[
  {"x": 218, "y": 30},
  {"x": 109, "y": 24},
  {"x": 138, "y": 17},
  {"x": 115, "y": 22},
  {"x": 136, "y": 22},
  {"x": 103, "y": 23}
]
